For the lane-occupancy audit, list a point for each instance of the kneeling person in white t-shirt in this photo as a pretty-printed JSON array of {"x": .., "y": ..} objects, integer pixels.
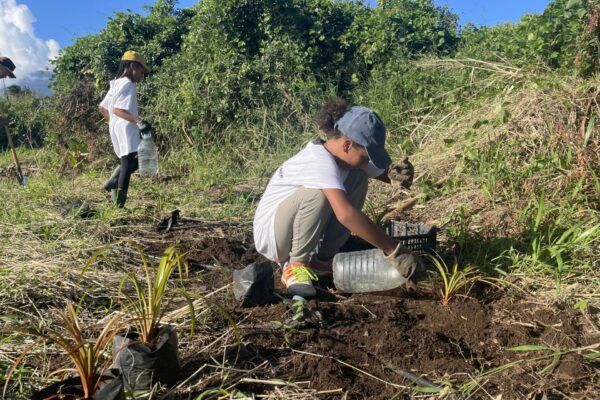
[{"x": 320, "y": 192}]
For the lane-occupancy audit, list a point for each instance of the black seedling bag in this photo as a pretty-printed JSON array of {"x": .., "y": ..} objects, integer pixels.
[
  {"x": 141, "y": 365},
  {"x": 254, "y": 285},
  {"x": 111, "y": 388}
]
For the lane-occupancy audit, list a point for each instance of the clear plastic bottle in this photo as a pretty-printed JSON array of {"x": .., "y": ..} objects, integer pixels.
[
  {"x": 147, "y": 156},
  {"x": 364, "y": 271}
]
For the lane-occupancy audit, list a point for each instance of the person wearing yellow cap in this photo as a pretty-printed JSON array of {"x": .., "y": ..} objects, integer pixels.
[{"x": 120, "y": 108}]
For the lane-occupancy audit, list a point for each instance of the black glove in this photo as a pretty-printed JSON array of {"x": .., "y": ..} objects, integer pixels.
[
  {"x": 402, "y": 172},
  {"x": 144, "y": 126}
]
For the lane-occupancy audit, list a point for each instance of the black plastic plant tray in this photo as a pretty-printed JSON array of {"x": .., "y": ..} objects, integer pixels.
[{"x": 416, "y": 237}]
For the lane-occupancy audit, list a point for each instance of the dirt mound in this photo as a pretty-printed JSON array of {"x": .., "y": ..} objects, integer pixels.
[
  {"x": 371, "y": 344},
  {"x": 372, "y": 341}
]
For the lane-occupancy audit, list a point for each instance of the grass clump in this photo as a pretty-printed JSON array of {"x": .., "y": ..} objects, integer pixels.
[
  {"x": 147, "y": 306},
  {"x": 455, "y": 279},
  {"x": 87, "y": 356}
]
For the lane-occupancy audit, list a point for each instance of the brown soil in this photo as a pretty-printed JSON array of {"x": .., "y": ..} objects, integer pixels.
[{"x": 371, "y": 341}]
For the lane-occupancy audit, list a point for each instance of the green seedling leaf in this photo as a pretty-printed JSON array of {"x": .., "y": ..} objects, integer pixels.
[
  {"x": 92, "y": 259},
  {"x": 480, "y": 122},
  {"x": 529, "y": 347},
  {"x": 592, "y": 356},
  {"x": 210, "y": 392},
  {"x": 9, "y": 317},
  {"x": 550, "y": 367},
  {"x": 581, "y": 306},
  {"x": 591, "y": 232},
  {"x": 297, "y": 316},
  {"x": 504, "y": 115},
  {"x": 137, "y": 394},
  {"x": 427, "y": 389}
]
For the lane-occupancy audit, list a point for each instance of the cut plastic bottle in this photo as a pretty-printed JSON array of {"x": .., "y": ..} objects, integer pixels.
[
  {"x": 365, "y": 271},
  {"x": 147, "y": 156}
]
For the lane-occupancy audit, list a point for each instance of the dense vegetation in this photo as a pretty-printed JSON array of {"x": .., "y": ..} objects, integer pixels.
[
  {"x": 501, "y": 123},
  {"x": 245, "y": 63}
]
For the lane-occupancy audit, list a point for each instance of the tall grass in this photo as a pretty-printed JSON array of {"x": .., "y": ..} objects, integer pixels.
[{"x": 559, "y": 242}]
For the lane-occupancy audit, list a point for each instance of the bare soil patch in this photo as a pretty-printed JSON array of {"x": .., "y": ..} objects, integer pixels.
[{"x": 371, "y": 341}]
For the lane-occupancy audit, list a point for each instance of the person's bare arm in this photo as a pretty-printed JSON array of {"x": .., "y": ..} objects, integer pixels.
[
  {"x": 356, "y": 221},
  {"x": 104, "y": 112},
  {"x": 126, "y": 115}
]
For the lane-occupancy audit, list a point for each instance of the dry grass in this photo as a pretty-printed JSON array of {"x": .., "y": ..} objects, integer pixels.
[{"x": 42, "y": 252}]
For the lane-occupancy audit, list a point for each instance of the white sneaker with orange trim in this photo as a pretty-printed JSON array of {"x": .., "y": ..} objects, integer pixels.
[{"x": 297, "y": 278}]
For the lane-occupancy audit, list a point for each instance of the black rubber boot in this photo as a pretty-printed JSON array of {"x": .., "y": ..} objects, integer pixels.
[
  {"x": 121, "y": 197},
  {"x": 113, "y": 181}
]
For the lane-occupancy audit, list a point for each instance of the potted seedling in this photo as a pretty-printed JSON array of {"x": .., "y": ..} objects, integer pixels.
[
  {"x": 147, "y": 352},
  {"x": 455, "y": 280},
  {"x": 93, "y": 380}
]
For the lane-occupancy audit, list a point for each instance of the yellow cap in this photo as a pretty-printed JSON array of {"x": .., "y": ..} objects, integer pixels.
[{"x": 131, "y": 55}]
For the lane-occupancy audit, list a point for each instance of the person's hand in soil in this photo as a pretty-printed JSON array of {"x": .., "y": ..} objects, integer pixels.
[{"x": 402, "y": 173}]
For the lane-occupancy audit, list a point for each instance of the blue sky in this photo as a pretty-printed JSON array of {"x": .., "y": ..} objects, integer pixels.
[
  {"x": 83, "y": 17},
  {"x": 490, "y": 12},
  {"x": 89, "y": 16},
  {"x": 34, "y": 31}
]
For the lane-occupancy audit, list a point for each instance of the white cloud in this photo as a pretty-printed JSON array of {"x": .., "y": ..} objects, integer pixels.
[{"x": 30, "y": 54}]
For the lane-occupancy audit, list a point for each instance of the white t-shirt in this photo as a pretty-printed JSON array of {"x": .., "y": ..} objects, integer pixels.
[
  {"x": 313, "y": 168},
  {"x": 125, "y": 135}
]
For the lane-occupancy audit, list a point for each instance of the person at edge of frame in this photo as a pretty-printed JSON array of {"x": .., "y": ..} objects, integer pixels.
[{"x": 7, "y": 68}]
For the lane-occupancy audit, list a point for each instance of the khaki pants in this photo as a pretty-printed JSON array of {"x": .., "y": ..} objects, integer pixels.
[{"x": 306, "y": 215}]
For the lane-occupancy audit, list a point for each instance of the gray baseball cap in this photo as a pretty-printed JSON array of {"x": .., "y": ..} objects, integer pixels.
[{"x": 363, "y": 126}]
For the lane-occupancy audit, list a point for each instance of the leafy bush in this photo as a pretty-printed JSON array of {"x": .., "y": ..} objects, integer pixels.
[
  {"x": 157, "y": 36},
  {"x": 244, "y": 55},
  {"x": 223, "y": 62},
  {"x": 146, "y": 308},
  {"x": 256, "y": 65},
  {"x": 26, "y": 116},
  {"x": 565, "y": 35},
  {"x": 87, "y": 356}
]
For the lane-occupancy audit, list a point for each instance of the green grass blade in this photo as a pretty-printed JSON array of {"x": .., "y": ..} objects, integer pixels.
[
  {"x": 530, "y": 347},
  {"x": 589, "y": 130}
]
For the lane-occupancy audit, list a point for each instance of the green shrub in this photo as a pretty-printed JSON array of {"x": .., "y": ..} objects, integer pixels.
[
  {"x": 564, "y": 36},
  {"x": 224, "y": 62}
]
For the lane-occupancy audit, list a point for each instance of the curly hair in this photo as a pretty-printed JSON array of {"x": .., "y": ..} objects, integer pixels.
[{"x": 332, "y": 110}]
